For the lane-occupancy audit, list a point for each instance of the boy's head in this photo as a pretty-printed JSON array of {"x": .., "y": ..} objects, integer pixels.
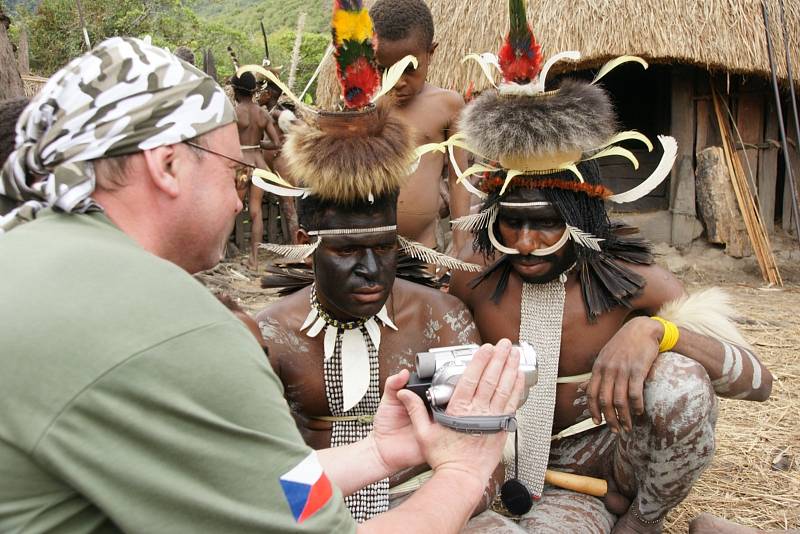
[
  {"x": 244, "y": 86},
  {"x": 404, "y": 27}
]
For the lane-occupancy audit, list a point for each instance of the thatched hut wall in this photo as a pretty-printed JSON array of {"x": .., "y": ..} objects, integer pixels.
[{"x": 717, "y": 35}]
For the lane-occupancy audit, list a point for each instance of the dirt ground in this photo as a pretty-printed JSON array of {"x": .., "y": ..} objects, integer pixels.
[{"x": 755, "y": 477}]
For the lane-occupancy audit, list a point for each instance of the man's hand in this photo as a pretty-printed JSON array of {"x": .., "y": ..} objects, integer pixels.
[
  {"x": 491, "y": 385},
  {"x": 392, "y": 431},
  {"x": 617, "y": 386}
]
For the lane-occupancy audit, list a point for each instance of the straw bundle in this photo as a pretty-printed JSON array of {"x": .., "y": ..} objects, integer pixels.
[{"x": 713, "y": 34}]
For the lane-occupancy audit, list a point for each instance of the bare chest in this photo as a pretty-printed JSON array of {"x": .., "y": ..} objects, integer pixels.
[
  {"x": 581, "y": 340},
  {"x": 303, "y": 371}
]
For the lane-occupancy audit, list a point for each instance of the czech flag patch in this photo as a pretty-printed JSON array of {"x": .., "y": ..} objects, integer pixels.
[{"x": 306, "y": 487}]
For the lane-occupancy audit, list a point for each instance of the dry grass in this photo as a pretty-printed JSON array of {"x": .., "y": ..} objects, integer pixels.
[
  {"x": 741, "y": 485},
  {"x": 725, "y": 35}
]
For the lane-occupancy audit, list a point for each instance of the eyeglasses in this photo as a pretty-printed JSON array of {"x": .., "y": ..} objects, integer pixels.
[{"x": 204, "y": 149}]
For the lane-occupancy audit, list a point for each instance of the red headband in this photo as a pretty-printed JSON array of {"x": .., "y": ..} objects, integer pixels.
[{"x": 492, "y": 184}]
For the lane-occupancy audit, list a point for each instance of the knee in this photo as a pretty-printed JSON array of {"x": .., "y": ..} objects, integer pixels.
[{"x": 679, "y": 396}]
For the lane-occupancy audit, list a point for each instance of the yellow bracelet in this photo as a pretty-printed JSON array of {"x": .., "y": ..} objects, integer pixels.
[{"x": 670, "y": 337}]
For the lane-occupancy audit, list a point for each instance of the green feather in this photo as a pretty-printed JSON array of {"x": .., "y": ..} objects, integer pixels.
[{"x": 518, "y": 35}]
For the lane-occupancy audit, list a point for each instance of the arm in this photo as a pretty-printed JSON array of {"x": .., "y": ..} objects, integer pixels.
[
  {"x": 621, "y": 367},
  {"x": 459, "y": 196},
  {"x": 271, "y": 132},
  {"x": 458, "y": 328}
]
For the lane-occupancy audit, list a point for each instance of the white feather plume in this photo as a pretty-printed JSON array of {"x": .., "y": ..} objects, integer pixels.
[
  {"x": 707, "y": 312},
  {"x": 585, "y": 239},
  {"x": 474, "y": 222},
  {"x": 423, "y": 253},
  {"x": 654, "y": 180},
  {"x": 571, "y": 55},
  {"x": 292, "y": 252}
]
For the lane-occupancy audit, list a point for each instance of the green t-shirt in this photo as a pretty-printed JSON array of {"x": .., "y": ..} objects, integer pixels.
[{"x": 132, "y": 400}]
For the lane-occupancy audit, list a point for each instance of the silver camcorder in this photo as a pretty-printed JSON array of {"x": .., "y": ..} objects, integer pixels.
[{"x": 439, "y": 369}]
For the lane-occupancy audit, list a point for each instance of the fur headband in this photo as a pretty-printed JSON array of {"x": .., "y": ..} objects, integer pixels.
[{"x": 575, "y": 117}]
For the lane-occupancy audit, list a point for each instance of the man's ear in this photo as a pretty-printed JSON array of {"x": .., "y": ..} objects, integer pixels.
[
  {"x": 302, "y": 237},
  {"x": 160, "y": 165}
]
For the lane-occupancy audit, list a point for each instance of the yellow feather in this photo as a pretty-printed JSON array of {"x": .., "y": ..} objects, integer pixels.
[{"x": 349, "y": 26}]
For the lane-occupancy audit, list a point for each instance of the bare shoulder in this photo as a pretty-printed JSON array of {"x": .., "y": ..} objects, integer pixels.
[
  {"x": 661, "y": 287},
  {"x": 412, "y": 295},
  {"x": 446, "y": 99},
  {"x": 460, "y": 280},
  {"x": 281, "y": 321},
  {"x": 282, "y": 308}
]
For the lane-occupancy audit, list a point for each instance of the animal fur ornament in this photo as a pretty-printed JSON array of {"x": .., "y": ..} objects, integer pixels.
[
  {"x": 362, "y": 150},
  {"x": 350, "y": 156},
  {"x": 576, "y": 119}
]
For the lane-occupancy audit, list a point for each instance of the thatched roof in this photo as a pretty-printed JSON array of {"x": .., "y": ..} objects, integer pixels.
[{"x": 720, "y": 35}]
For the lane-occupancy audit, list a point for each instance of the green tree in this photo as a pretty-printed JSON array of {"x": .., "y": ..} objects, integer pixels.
[
  {"x": 312, "y": 48},
  {"x": 56, "y": 35}
]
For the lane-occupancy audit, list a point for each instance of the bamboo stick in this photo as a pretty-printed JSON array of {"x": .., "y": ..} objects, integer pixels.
[{"x": 747, "y": 206}]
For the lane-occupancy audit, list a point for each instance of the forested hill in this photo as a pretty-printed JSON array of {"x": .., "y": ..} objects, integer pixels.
[
  {"x": 54, "y": 33},
  {"x": 276, "y": 14}
]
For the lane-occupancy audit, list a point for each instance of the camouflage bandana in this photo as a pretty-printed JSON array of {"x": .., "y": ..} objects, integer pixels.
[{"x": 123, "y": 97}]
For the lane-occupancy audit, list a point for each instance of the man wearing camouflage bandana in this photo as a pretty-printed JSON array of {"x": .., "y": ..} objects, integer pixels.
[{"x": 133, "y": 400}]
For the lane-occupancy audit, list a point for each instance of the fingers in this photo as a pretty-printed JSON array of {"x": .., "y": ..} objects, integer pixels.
[
  {"x": 495, "y": 371},
  {"x": 506, "y": 384},
  {"x": 606, "y": 401},
  {"x": 593, "y": 393},
  {"x": 394, "y": 384},
  {"x": 517, "y": 393},
  {"x": 621, "y": 406},
  {"x": 636, "y": 392},
  {"x": 468, "y": 382},
  {"x": 417, "y": 412}
]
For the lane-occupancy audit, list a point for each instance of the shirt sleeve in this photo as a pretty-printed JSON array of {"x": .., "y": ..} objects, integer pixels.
[{"x": 193, "y": 435}]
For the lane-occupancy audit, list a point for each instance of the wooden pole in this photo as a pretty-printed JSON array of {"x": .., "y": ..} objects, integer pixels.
[
  {"x": 83, "y": 26},
  {"x": 23, "y": 53},
  {"x": 682, "y": 186},
  {"x": 782, "y": 129},
  {"x": 789, "y": 75}
]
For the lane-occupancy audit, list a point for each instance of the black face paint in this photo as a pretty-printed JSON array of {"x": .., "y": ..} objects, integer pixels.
[
  {"x": 355, "y": 273},
  {"x": 529, "y": 228}
]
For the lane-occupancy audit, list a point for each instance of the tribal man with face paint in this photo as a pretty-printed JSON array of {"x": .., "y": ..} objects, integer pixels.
[
  {"x": 629, "y": 365},
  {"x": 334, "y": 344}
]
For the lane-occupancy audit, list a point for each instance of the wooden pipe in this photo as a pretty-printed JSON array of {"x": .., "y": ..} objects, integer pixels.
[{"x": 582, "y": 484}]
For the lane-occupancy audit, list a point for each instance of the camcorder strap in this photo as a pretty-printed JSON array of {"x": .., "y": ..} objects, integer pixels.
[{"x": 476, "y": 424}]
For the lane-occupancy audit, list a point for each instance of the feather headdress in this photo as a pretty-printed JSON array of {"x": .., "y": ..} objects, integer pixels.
[
  {"x": 356, "y": 68},
  {"x": 526, "y": 137},
  {"x": 355, "y": 155},
  {"x": 520, "y": 57}
]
